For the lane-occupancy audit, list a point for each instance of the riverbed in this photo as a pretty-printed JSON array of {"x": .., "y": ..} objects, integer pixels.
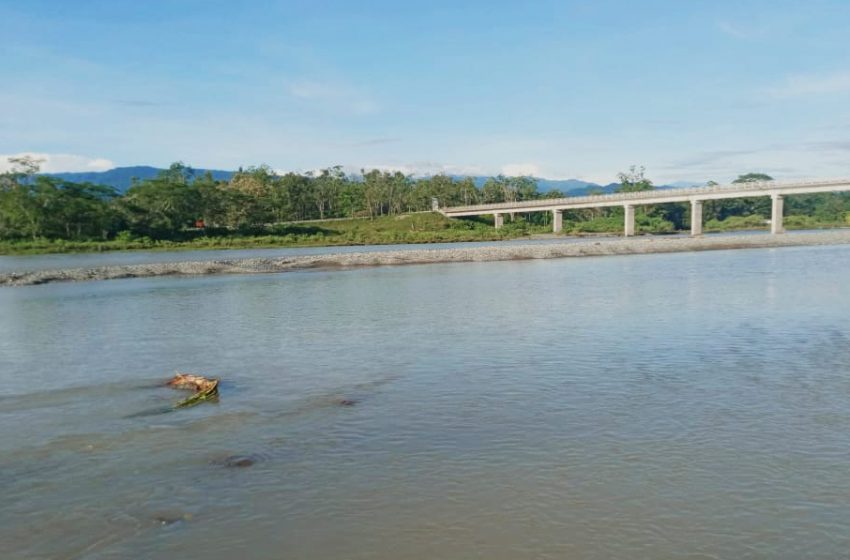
[
  {"x": 683, "y": 405},
  {"x": 287, "y": 260}
]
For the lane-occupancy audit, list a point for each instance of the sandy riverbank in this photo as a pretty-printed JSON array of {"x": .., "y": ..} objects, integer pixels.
[{"x": 633, "y": 246}]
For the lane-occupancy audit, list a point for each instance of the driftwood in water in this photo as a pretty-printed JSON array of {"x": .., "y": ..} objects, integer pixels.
[{"x": 204, "y": 389}]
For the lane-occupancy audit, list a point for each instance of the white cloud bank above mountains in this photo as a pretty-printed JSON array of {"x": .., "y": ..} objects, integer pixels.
[{"x": 56, "y": 163}]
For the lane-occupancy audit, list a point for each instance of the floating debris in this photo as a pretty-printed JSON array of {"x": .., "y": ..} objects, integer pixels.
[
  {"x": 205, "y": 389},
  {"x": 189, "y": 381},
  {"x": 171, "y": 518},
  {"x": 346, "y": 402},
  {"x": 236, "y": 461}
]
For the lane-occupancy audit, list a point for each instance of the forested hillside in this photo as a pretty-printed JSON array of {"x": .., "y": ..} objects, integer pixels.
[{"x": 181, "y": 204}]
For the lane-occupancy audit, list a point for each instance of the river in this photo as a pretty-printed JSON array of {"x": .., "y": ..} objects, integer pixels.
[{"x": 688, "y": 405}]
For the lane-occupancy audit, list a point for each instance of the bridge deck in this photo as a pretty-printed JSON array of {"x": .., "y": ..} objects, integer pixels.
[{"x": 766, "y": 188}]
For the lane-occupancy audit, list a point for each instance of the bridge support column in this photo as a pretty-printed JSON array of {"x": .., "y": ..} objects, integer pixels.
[
  {"x": 696, "y": 218},
  {"x": 499, "y": 219},
  {"x": 629, "y": 229},
  {"x": 557, "y": 221},
  {"x": 777, "y": 210}
]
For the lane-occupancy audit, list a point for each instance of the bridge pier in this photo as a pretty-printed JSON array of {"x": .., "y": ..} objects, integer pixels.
[
  {"x": 629, "y": 228},
  {"x": 557, "y": 221},
  {"x": 696, "y": 218},
  {"x": 697, "y": 197},
  {"x": 776, "y": 213}
]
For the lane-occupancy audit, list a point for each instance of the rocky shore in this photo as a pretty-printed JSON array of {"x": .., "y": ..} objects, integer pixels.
[{"x": 603, "y": 247}]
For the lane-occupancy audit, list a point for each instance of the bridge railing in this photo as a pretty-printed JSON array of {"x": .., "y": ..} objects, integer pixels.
[{"x": 754, "y": 187}]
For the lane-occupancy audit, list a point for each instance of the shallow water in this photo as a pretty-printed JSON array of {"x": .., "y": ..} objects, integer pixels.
[{"x": 654, "y": 406}]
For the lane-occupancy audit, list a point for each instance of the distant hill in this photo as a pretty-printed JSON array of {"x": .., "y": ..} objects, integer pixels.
[
  {"x": 592, "y": 188},
  {"x": 577, "y": 187},
  {"x": 684, "y": 184},
  {"x": 570, "y": 187},
  {"x": 121, "y": 178},
  {"x": 566, "y": 186}
]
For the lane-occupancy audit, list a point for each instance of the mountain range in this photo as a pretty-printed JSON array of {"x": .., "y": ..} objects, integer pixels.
[{"x": 121, "y": 178}]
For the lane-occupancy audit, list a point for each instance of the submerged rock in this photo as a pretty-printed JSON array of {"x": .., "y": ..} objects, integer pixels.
[{"x": 237, "y": 461}]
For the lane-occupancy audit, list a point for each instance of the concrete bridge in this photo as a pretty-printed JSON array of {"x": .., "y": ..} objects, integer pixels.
[{"x": 776, "y": 190}]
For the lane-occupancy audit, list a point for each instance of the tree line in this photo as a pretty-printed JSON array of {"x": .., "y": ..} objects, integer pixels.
[
  {"x": 810, "y": 210},
  {"x": 179, "y": 199},
  {"x": 179, "y": 202}
]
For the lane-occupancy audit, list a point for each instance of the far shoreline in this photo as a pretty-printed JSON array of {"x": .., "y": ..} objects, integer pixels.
[{"x": 513, "y": 251}]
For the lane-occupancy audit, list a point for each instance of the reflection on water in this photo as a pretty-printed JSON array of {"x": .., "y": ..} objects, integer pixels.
[{"x": 659, "y": 406}]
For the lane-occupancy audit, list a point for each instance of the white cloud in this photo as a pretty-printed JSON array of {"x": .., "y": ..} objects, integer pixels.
[
  {"x": 57, "y": 163},
  {"x": 100, "y": 164},
  {"x": 808, "y": 159},
  {"x": 521, "y": 170},
  {"x": 336, "y": 97},
  {"x": 422, "y": 169},
  {"x": 431, "y": 168},
  {"x": 812, "y": 84}
]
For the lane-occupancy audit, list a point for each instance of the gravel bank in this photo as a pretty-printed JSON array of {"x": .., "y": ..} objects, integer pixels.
[{"x": 633, "y": 246}]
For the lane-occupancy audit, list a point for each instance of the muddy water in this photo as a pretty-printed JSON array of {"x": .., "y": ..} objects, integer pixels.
[{"x": 657, "y": 406}]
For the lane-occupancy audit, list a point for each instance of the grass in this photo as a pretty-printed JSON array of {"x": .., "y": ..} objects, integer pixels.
[
  {"x": 386, "y": 230},
  {"x": 756, "y": 222}
]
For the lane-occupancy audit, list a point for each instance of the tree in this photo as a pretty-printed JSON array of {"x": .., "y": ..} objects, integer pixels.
[
  {"x": 76, "y": 210},
  {"x": 753, "y": 206},
  {"x": 467, "y": 191},
  {"x": 25, "y": 165},
  {"x": 525, "y": 187},
  {"x": 178, "y": 173},
  {"x": 213, "y": 200},
  {"x": 293, "y": 196},
  {"x": 351, "y": 198},
  {"x": 752, "y": 178},
  {"x": 634, "y": 180},
  {"x": 326, "y": 188},
  {"x": 23, "y": 169},
  {"x": 162, "y": 207},
  {"x": 249, "y": 197},
  {"x": 20, "y": 210},
  {"x": 372, "y": 191},
  {"x": 385, "y": 191}
]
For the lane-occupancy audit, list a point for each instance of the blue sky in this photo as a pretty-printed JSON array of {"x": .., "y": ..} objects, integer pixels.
[{"x": 692, "y": 90}]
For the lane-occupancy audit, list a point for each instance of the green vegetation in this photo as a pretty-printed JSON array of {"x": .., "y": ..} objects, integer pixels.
[
  {"x": 259, "y": 208},
  {"x": 810, "y": 211},
  {"x": 426, "y": 227}
]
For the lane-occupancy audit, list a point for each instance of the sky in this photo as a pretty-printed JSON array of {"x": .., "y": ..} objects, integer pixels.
[{"x": 693, "y": 91}]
